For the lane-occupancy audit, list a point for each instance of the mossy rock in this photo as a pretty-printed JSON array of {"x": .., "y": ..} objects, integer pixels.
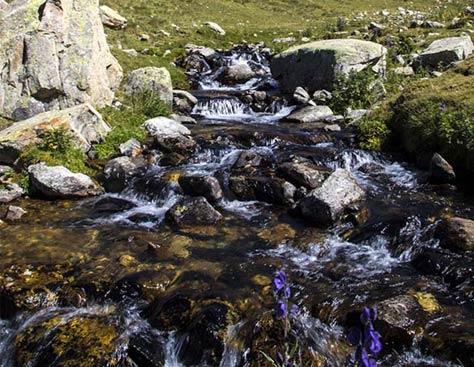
[{"x": 60, "y": 341}]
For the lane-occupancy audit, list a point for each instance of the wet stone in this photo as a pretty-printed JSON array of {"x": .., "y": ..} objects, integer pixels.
[
  {"x": 119, "y": 171},
  {"x": 193, "y": 211},
  {"x": 110, "y": 205},
  {"x": 248, "y": 158},
  {"x": 271, "y": 190},
  {"x": 304, "y": 174},
  {"x": 456, "y": 234},
  {"x": 199, "y": 185},
  {"x": 440, "y": 170},
  {"x": 14, "y": 213}
]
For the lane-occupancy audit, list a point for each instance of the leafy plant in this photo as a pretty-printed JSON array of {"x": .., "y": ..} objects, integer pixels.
[
  {"x": 372, "y": 135},
  {"x": 57, "y": 148},
  {"x": 354, "y": 90}
]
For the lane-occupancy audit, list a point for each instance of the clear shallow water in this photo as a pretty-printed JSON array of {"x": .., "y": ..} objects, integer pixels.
[{"x": 121, "y": 264}]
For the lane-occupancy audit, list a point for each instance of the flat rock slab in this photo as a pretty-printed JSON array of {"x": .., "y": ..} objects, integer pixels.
[
  {"x": 309, "y": 114},
  {"x": 163, "y": 127}
]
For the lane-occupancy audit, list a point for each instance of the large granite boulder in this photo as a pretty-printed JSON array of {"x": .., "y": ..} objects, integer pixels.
[
  {"x": 315, "y": 65},
  {"x": 60, "y": 183},
  {"x": 82, "y": 122},
  {"x": 150, "y": 80},
  {"x": 446, "y": 51},
  {"x": 54, "y": 55}
]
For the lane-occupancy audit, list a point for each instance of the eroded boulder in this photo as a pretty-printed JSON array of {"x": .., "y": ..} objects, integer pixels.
[
  {"x": 200, "y": 185},
  {"x": 193, "y": 211},
  {"x": 456, "y": 234},
  {"x": 54, "y": 55}
]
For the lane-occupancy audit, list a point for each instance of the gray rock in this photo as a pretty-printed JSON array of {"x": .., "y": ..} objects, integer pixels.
[
  {"x": 432, "y": 24},
  {"x": 325, "y": 205},
  {"x": 215, "y": 27},
  {"x": 446, "y": 51},
  {"x": 150, "y": 81},
  {"x": 440, "y": 170},
  {"x": 185, "y": 95},
  {"x": 119, "y": 171},
  {"x": 322, "y": 96},
  {"x": 82, "y": 122},
  {"x": 309, "y": 114},
  {"x": 200, "y": 185},
  {"x": 11, "y": 192},
  {"x": 60, "y": 183},
  {"x": 284, "y": 40},
  {"x": 301, "y": 96},
  {"x": 456, "y": 234},
  {"x": 355, "y": 116},
  {"x": 160, "y": 127},
  {"x": 110, "y": 18},
  {"x": 248, "y": 159},
  {"x": 131, "y": 148},
  {"x": 206, "y": 52},
  {"x": 183, "y": 119},
  {"x": 315, "y": 65},
  {"x": 54, "y": 55},
  {"x": 3, "y": 5},
  {"x": 236, "y": 74},
  {"x": 399, "y": 319},
  {"x": 270, "y": 190},
  {"x": 332, "y": 127},
  {"x": 193, "y": 211},
  {"x": 14, "y": 213},
  {"x": 304, "y": 174},
  {"x": 404, "y": 71}
]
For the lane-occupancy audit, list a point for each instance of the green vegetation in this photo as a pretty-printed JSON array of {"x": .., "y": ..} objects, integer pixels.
[
  {"x": 373, "y": 135},
  {"x": 126, "y": 121},
  {"x": 356, "y": 90},
  {"x": 437, "y": 115},
  {"x": 57, "y": 149}
]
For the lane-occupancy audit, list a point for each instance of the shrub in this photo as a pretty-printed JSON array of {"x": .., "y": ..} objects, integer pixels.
[
  {"x": 372, "y": 135},
  {"x": 126, "y": 121},
  {"x": 355, "y": 90},
  {"x": 57, "y": 148}
]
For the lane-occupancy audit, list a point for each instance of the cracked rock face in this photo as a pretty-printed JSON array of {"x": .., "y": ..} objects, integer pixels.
[{"x": 54, "y": 55}]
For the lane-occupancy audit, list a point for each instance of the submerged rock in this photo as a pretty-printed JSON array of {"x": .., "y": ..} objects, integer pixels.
[
  {"x": 56, "y": 56},
  {"x": 325, "y": 205},
  {"x": 150, "y": 82},
  {"x": 456, "y": 234},
  {"x": 315, "y": 65},
  {"x": 55, "y": 341},
  {"x": 60, "y": 183},
  {"x": 193, "y": 211},
  {"x": 14, "y": 213},
  {"x": 446, "y": 51},
  {"x": 82, "y": 122},
  {"x": 199, "y": 185}
]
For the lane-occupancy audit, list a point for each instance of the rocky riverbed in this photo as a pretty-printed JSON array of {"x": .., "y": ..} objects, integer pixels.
[{"x": 173, "y": 265}]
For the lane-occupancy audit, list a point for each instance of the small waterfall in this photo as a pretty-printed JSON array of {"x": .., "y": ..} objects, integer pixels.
[{"x": 222, "y": 108}]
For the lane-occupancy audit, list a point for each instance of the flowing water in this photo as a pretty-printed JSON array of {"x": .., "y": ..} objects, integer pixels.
[{"x": 66, "y": 261}]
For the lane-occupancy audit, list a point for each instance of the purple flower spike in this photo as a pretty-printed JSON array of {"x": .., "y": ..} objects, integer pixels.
[
  {"x": 287, "y": 292},
  {"x": 280, "y": 281},
  {"x": 281, "y": 310},
  {"x": 365, "y": 316}
]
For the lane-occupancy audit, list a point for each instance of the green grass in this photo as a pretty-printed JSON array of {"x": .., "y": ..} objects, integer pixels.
[
  {"x": 437, "y": 115},
  {"x": 126, "y": 121},
  {"x": 244, "y": 21},
  {"x": 57, "y": 149}
]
